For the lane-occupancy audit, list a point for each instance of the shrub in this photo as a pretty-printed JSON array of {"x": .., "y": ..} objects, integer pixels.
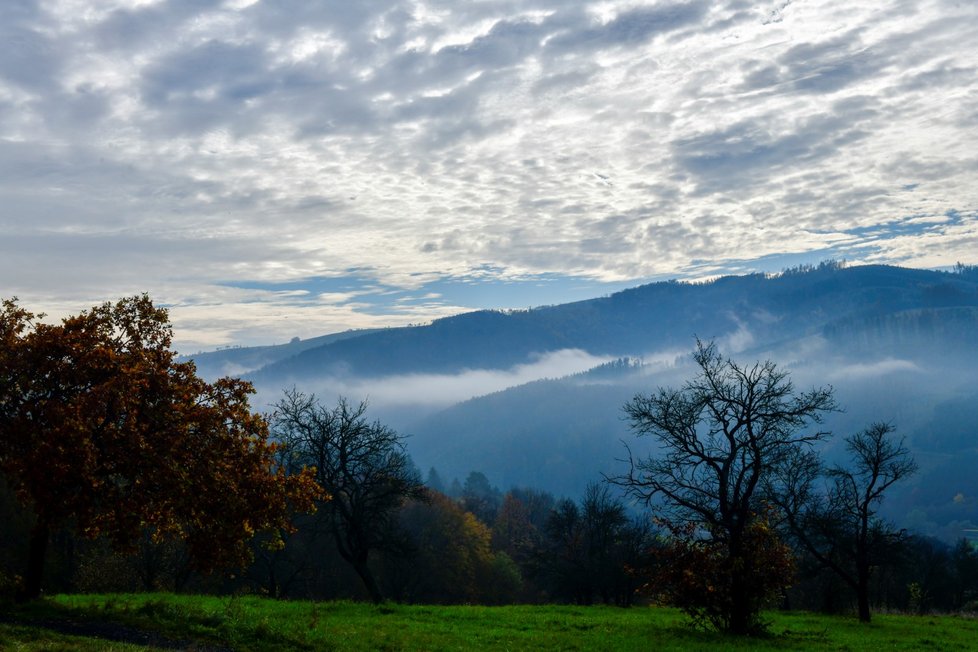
[{"x": 698, "y": 574}]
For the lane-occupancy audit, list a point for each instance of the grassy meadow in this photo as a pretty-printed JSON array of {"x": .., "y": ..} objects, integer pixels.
[{"x": 151, "y": 621}]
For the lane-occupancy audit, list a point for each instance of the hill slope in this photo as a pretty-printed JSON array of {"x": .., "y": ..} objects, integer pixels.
[
  {"x": 899, "y": 345},
  {"x": 850, "y": 307},
  {"x": 234, "y": 361}
]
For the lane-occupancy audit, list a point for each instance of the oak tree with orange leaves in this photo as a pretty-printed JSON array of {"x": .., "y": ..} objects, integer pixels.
[{"x": 101, "y": 429}]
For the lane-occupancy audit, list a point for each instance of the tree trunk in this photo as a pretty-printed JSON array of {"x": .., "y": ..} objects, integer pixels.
[
  {"x": 741, "y": 615},
  {"x": 40, "y": 534},
  {"x": 357, "y": 557},
  {"x": 862, "y": 596},
  {"x": 862, "y": 572},
  {"x": 369, "y": 582},
  {"x": 271, "y": 586}
]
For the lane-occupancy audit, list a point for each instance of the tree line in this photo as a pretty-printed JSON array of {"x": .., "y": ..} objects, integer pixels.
[{"x": 124, "y": 471}]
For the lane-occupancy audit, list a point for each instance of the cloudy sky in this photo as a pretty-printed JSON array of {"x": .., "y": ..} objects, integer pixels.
[{"x": 275, "y": 168}]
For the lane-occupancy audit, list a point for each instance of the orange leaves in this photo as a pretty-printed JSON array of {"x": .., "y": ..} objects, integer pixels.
[
  {"x": 98, "y": 423},
  {"x": 710, "y": 579}
]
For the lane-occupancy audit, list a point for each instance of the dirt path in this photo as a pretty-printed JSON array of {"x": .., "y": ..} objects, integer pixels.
[{"x": 117, "y": 633}]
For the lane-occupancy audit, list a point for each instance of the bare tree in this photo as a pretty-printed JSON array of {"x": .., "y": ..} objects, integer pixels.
[
  {"x": 832, "y": 512},
  {"x": 719, "y": 436},
  {"x": 362, "y": 466}
]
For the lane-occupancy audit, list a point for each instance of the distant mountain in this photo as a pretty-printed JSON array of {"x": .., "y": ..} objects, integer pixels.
[
  {"x": 899, "y": 345},
  {"x": 560, "y": 434},
  {"x": 854, "y": 306},
  {"x": 239, "y": 360},
  {"x": 553, "y": 434}
]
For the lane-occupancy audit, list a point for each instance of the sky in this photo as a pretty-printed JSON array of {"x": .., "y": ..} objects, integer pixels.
[{"x": 271, "y": 169}]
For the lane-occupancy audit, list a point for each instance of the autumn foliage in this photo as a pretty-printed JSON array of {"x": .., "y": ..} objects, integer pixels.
[
  {"x": 722, "y": 437},
  {"x": 714, "y": 584},
  {"x": 449, "y": 557},
  {"x": 101, "y": 429}
]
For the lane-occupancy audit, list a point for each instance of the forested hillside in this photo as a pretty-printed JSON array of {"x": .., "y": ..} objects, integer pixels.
[
  {"x": 500, "y": 497},
  {"x": 888, "y": 309},
  {"x": 899, "y": 345}
]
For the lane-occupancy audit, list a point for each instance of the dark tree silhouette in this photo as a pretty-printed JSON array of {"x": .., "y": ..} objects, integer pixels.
[
  {"x": 480, "y": 497},
  {"x": 363, "y": 467},
  {"x": 719, "y": 436},
  {"x": 836, "y": 522},
  {"x": 592, "y": 550}
]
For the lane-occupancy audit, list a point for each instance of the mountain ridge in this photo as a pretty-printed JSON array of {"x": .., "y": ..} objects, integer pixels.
[
  {"x": 898, "y": 344},
  {"x": 637, "y": 321}
]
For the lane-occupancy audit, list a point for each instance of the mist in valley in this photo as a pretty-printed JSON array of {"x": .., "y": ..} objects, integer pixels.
[
  {"x": 557, "y": 423},
  {"x": 896, "y": 348}
]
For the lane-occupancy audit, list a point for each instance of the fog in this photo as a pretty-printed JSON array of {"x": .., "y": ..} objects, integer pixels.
[
  {"x": 561, "y": 434},
  {"x": 884, "y": 340},
  {"x": 423, "y": 393}
]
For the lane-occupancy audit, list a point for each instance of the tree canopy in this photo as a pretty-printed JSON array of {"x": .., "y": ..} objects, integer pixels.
[
  {"x": 836, "y": 520},
  {"x": 720, "y": 436},
  {"x": 361, "y": 464},
  {"x": 101, "y": 429}
]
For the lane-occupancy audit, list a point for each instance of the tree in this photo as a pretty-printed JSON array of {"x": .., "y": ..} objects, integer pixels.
[
  {"x": 480, "y": 497},
  {"x": 719, "y": 436},
  {"x": 519, "y": 531},
  {"x": 361, "y": 465},
  {"x": 101, "y": 429},
  {"x": 592, "y": 550},
  {"x": 434, "y": 481},
  {"x": 964, "y": 559},
  {"x": 448, "y": 557},
  {"x": 696, "y": 573},
  {"x": 512, "y": 531},
  {"x": 837, "y": 523}
]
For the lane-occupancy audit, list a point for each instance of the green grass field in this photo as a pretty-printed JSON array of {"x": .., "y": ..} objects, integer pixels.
[{"x": 137, "y": 622}]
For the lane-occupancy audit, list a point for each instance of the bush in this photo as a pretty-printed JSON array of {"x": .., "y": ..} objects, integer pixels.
[
  {"x": 10, "y": 586},
  {"x": 701, "y": 576}
]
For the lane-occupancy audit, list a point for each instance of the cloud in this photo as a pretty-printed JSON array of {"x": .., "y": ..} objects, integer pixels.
[
  {"x": 31, "y": 61},
  {"x": 864, "y": 370},
  {"x": 748, "y": 152},
  {"x": 817, "y": 67},
  {"x": 629, "y": 28},
  {"x": 442, "y": 390},
  {"x": 184, "y": 147}
]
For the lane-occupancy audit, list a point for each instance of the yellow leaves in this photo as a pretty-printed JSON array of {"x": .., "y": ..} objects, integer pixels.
[{"x": 275, "y": 542}]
